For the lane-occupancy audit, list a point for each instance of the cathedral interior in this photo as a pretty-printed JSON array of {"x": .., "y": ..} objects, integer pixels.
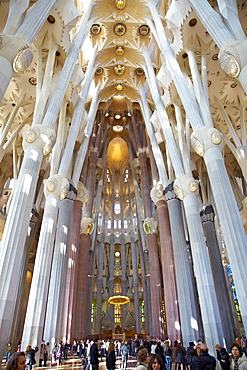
[{"x": 123, "y": 170}]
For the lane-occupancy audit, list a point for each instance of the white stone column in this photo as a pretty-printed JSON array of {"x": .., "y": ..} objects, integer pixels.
[
  {"x": 185, "y": 188},
  {"x": 56, "y": 295},
  {"x": 14, "y": 236},
  {"x": 36, "y": 309}
]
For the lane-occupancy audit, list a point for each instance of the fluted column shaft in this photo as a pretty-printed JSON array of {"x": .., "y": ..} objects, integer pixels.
[
  {"x": 54, "y": 313},
  {"x": 155, "y": 276},
  {"x": 206, "y": 291},
  {"x": 207, "y": 217},
  {"x": 36, "y": 309},
  {"x": 67, "y": 330},
  {"x": 231, "y": 223},
  {"x": 187, "y": 298},
  {"x": 85, "y": 242},
  {"x": 14, "y": 236},
  {"x": 134, "y": 266},
  {"x": 168, "y": 272}
]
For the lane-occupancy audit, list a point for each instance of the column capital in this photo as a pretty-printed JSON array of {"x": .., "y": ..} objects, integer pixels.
[
  {"x": 204, "y": 138},
  {"x": 169, "y": 192},
  {"x": 17, "y": 51},
  {"x": 82, "y": 193},
  {"x": 57, "y": 185},
  {"x": 185, "y": 185},
  {"x": 150, "y": 225},
  {"x": 207, "y": 213},
  {"x": 40, "y": 136},
  {"x": 233, "y": 57},
  {"x": 157, "y": 193},
  {"x": 87, "y": 226}
]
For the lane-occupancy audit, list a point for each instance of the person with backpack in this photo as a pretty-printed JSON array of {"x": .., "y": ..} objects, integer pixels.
[{"x": 199, "y": 358}]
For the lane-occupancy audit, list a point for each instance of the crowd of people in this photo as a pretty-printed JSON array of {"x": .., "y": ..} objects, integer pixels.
[{"x": 149, "y": 355}]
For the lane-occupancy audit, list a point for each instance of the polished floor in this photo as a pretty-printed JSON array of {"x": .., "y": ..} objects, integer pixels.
[{"x": 76, "y": 363}]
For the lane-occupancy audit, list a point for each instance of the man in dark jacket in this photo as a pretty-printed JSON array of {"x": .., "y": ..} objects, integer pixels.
[
  {"x": 199, "y": 358},
  {"x": 94, "y": 355}
]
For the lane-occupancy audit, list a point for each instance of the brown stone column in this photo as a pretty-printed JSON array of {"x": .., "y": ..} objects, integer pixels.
[
  {"x": 82, "y": 288},
  {"x": 154, "y": 264},
  {"x": 168, "y": 273}
]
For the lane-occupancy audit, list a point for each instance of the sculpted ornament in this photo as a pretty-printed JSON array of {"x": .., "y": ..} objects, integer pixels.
[
  {"x": 205, "y": 138},
  {"x": 40, "y": 136},
  {"x": 82, "y": 193},
  {"x": 17, "y": 51},
  {"x": 56, "y": 185},
  {"x": 185, "y": 185},
  {"x": 87, "y": 226},
  {"x": 157, "y": 193}
]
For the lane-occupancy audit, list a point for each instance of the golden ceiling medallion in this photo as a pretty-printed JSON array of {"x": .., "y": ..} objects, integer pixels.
[
  {"x": 119, "y": 69},
  {"x": 119, "y": 50},
  {"x": 139, "y": 71},
  {"x": 144, "y": 30},
  {"x": 120, "y": 4},
  {"x": 95, "y": 29},
  {"x": 118, "y": 300},
  {"x": 99, "y": 71},
  {"x": 120, "y": 29}
]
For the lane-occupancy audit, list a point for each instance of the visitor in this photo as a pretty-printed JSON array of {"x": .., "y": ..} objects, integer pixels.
[
  {"x": 238, "y": 359},
  {"x": 30, "y": 356},
  {"x": 160, "y": 351},
  {"x": 94, "y": 355},
  {"x": 179, "y": 354},
  {"x": 111, "y": 357},
  {"x": 199, "y": 358},
  {"x": 124, "y": 352},
  {"x": 17, "y": 361},
  {"x": 168, "y": 355},
  {"x": 223, "y": 357},
  {"x": 142, "y": 357},
  {"x": 155, "y": 363},
  {"x": 8, "y": 351}
]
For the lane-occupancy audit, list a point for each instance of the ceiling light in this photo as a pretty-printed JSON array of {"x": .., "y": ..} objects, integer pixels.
[
  {"x": 118, "y": 128},
  {"x": 119, "y": 86},
  {"x": 120, "y": 4},
  {"x": 117, "y": 116}
]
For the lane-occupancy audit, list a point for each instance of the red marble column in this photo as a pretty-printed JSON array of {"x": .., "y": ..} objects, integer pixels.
[
  {"x": 82, "y": 288},
  {"x": 168, "y": 272},
  {"x": 155, "y": 287},
  {"x": 155, "y": 276}
]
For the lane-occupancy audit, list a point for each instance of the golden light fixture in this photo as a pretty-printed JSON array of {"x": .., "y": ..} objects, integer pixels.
[
  {"x": 118, "y": 128},
  {"x": 119, "y": 86},
  {"x": 118, "y": 300},
  {"x": 120, "y": 4}
]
